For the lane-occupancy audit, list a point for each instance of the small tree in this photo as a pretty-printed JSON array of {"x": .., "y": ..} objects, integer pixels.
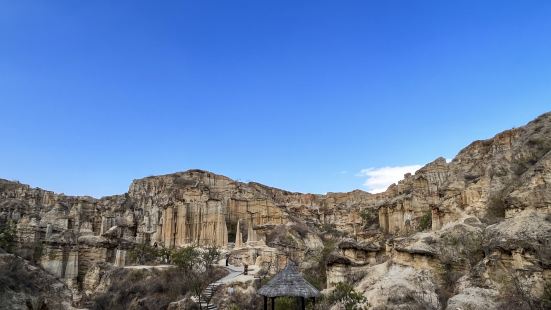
[
  {"x": 369, "y": 217},
  {"x": 189, "y": 259},
  {"x": 210, "y": 256},
  {"x": 346, "y": 295},
  {"x": 198, "y": 283},
  {"x": 165, "y": 254},
  {"x": 143, "y": 253},
  {"x": 186, "y": 258},
  {"x": 8, "y": 236}
]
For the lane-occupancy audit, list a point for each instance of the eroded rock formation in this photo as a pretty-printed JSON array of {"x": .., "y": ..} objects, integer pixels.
[{"x": 462, "y": 223}]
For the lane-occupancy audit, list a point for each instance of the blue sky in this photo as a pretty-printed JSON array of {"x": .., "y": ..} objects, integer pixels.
[{"x": 301, "y": 95}]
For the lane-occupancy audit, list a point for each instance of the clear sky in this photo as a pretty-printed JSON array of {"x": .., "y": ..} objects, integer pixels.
[{"x": 310, "y": 96}]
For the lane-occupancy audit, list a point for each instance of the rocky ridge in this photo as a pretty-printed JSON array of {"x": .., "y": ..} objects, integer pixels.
[{"x": 435, "y": 239}]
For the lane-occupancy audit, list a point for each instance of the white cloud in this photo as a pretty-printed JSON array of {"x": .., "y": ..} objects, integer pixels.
[{"x": 379, "y": 179}]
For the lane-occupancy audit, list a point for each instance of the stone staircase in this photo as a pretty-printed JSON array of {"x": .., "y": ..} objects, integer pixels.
[
  {"x": 207, "y": 295},
  {"x": 209, "y": 291}
]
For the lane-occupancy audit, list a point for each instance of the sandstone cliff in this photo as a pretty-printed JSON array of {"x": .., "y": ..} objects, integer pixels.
[
  {"x": 473, "y": 232},
  {"x": 463, "y": 224},
  {"x": 72, "y": 234}
]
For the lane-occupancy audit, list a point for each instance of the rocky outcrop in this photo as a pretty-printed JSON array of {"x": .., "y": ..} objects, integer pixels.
[
  {"x": 349, "y": 262},
  {"x": 474, "y": 298},
  {"x": 405, "y": 203},
  {"x": 484, "y": 212},
  {"x": 389, "y": 286},
  {"x": 519, "y": 249},
  {"x": 24, "y": 286},
  {"x": 489, "y": 179},
  {"x": 472, "y": 264},
  {"x": 69, "y": 235}
]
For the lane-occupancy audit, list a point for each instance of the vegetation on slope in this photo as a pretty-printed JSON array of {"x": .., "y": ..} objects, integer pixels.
[{"x": 155, "y": 289}]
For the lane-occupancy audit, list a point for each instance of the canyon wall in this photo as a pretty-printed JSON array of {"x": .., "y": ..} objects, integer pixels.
[
  {"x": 71, "y": 234},
  {"x": 503, "y": 181}
]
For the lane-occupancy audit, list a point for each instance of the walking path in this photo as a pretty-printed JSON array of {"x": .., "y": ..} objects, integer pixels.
[
  {"x": 149, "y": 266},
  {"x": 235, "y": 275}
]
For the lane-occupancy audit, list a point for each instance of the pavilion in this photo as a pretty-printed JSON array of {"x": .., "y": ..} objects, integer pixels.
[{"x": 288, "y": 282}]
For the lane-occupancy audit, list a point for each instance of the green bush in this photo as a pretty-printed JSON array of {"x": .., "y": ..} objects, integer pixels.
[
  {"x": 346, "y": 295},
  {"x": 331, "y": 229},
  {"x": 317, "y": 274},
  {"x": 425, "y": 222},
  {"x": 369, "y": 217},
  {"x": 143, "y": 254},
  {"x": 186, "y": 258},
  {"x": 164, "y": 254},
  {"x": 284, "y": 303},
  {"x": 210, "y": 256}
]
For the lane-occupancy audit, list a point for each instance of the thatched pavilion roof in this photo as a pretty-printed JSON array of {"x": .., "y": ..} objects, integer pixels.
[{"x": 289, "y": 282}]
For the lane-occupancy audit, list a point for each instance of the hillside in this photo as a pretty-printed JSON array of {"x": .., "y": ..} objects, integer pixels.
[{"x": 474, "y": 232}]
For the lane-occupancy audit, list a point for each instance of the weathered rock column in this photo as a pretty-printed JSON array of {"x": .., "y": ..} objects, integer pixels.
[
  {"x": 49, "y": 230},
  {"x": 120, "y": 258},
  {"x": 52, "y": 261},
  {"x": 85, "y": 229},
  {"x": 221, "y": 229},
  {"x": 383, "y": 219},
  {"x": 251, "y": 234},
  {"x": 182, "y": 236},
  {"x": 168, "y": 227},
  {"x": 435, "y": 219},
  {"x": 238, "y": 237},
  {"x": 71, "y": 267},
  {"x": 198, "y": 220},
  {"x": 106, "y": 223}
]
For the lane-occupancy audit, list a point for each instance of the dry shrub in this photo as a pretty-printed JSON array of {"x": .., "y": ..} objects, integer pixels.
[
  {"x": 317, "y": 274},
  {"x": 23, "y": 286},
  {"x": 143, "y": 289},
  {"x": 516, "y": 295}
]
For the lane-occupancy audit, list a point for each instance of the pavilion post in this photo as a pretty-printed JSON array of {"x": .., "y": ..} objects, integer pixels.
[
  {"x": 265, "y": 303},
  {"x": 302, "y": 303},
  {"x": 273, "y": 303}
]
